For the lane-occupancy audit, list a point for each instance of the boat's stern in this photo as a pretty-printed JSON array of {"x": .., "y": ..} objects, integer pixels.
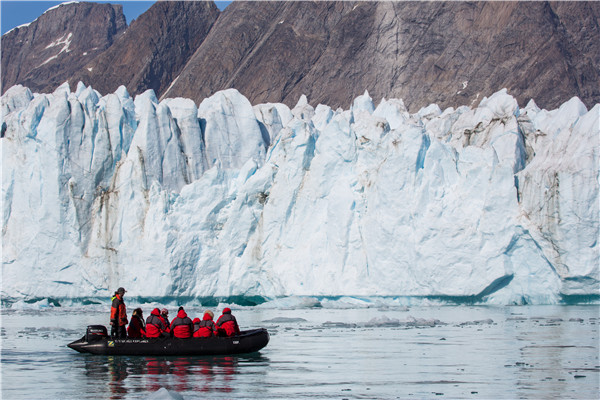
[{"x": 95, "y": 335}]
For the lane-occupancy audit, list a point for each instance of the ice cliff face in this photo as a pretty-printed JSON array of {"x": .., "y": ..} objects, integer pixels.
[{"x": 497, "y": 202}]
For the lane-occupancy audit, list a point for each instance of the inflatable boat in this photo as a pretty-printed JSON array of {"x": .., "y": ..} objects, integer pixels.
[{"x": 96, "y": 341}]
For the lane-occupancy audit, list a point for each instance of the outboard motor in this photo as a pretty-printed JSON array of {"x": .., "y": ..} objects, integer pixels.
[{"x": 95, "y": 332}]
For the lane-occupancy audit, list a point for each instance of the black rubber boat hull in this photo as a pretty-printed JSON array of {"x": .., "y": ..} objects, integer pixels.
[{"x": 247, "y": 342}]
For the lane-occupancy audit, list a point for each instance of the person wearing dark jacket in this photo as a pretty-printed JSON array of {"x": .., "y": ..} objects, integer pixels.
[
  {"x": 155, "y": 325},
  {"x": 136, "y": 325},
  {"x": 113, "y": 328},
  {"x": 118, "y": 314},
  {"x": 227, "y": 324},
  {"x": 206, "y": 327},
  {"x": 182, "y": 327},
  {"x": 164, "y": 314}
]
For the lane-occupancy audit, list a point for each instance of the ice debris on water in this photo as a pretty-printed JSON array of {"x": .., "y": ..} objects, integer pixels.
[
  {"x": 488, "y": 321},
  {"x": 165, "y": 394},
  {"x": 385, "y": 321},
  {"x": 38, "y": 305},
  {"x": 284, "y": 320}
]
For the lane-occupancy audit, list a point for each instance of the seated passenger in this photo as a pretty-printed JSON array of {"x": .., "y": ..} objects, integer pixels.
[
  {"x": 227, "y": 324},
  {"x": 164, "y": 314},
  {"x": 136, "y": 325},
  {"x": 182, "y": 327},
  {"x": 206, "y": 327},
  {"x": 155, "y": 325}
]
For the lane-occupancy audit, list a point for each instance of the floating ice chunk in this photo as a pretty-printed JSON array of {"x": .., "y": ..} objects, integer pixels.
[
  {"x": 347, "y": 303},
  {"x": 383, "y": 321},
  {"x": 330, "y": 324},
  {"x": 165, "y": 394},
  {"x": 291, "y": 302},
  {"x": 410, "y": 321},
  {"x": 38, "y": 305},
  {"x": 284, "y": 320},
  {"x": 488, "y": 321}
]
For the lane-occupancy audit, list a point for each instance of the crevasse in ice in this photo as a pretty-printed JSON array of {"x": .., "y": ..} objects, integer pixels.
[{"x": 173, "y": 199}]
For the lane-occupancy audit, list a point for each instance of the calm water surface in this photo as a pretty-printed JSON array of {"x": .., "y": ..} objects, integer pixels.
[{"x": 532, "y": 352}]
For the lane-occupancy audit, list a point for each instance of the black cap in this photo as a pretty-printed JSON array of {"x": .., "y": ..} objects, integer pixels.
[{"x": 121, "y": 290}]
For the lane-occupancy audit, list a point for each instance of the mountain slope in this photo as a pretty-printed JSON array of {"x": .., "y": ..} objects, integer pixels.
[
  {"x": 153, "y": 49},
  {"x": 444, "y": 52},
  {"x": 449, "y": 53},
  {"x": 48, "y": 51}
]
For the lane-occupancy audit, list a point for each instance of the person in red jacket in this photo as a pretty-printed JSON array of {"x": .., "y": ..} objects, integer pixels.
[
  {"x": 227, "y": 324},
  {"x": 155, "y": 325},
  {"x": 206, "y": 327},
  {"x": 136, "y": 325},
  {"x": 182, "y": 327},
  {"x": 118, "y": 314}
]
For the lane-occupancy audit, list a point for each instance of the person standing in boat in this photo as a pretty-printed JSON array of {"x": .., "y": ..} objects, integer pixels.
[
  {"x": 182, "y": 327},
  {"x": 227, "y": 324},
  {"x": 155, "y": 325},
  {"x": 113, "y": 328},
  {"x": 136, "y": 325},
  {"x": 118, "y": 314},
  {"x": 206, "y": 327}
]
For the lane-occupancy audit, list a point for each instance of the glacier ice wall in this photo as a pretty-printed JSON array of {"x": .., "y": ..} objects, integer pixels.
[{"x": 496, "y": 202}]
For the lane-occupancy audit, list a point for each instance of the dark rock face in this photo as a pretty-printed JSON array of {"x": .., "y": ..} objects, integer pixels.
[
  {"x": 263, "y": 49},
  {"x": 153, "y": 49},
  {"x": 449, "y": 53},
  {"x": 47, "y": 52}
]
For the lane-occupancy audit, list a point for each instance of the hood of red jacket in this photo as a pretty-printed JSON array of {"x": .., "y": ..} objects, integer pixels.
[
  {"x": 207, "y": 317},
  {"x": 156, "y": 312},
  {"x": 181, "y": 314},
  {"x": 196, "y": 320}
]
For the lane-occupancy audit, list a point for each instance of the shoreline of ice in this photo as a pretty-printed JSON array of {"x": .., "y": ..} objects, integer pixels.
[{"x": 397, "y": 303}]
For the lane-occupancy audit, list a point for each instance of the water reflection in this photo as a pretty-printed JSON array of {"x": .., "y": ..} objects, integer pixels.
[{"x": 125, "y": 374}]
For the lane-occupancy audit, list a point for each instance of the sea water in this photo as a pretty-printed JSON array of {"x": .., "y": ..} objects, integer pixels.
[{"x": 466, "y": 352}]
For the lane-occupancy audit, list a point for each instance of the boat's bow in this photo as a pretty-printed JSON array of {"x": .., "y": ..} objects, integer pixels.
[{"x": 78, "y": 345}]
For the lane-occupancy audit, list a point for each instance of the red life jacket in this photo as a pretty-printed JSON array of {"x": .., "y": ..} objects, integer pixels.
[
  {"x": 118, "y": 313},
  {"x": 204, "y": 328},
  {"x": 155, "y": 324},
  {"x": 228, "y": 325},
  {"x": 182, "y": 327}
]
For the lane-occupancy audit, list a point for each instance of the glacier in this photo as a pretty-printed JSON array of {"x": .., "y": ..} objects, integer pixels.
[{"x": 494, "y": 203}]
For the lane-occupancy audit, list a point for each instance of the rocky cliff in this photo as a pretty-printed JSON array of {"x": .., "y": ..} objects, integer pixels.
[
  {"x": 51, "y": 49},
  {"x": 153, "y": 50},
  {"x": 449, "y": 53}
]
